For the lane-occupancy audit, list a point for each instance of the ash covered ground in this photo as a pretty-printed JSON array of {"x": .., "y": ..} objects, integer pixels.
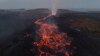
[{"x": 17, "y": 31}]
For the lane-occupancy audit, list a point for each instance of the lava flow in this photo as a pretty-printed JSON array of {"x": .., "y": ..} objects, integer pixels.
[{"x": 52, "y": 41}]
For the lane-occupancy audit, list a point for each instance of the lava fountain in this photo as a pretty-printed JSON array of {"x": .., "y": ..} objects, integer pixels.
[{"x": 52, "y": 41}]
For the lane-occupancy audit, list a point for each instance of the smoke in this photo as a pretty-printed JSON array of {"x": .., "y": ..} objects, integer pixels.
[{"x": 54, "y": 8}]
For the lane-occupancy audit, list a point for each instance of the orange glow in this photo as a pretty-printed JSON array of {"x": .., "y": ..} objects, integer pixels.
[{"x": 52, "y": 38}]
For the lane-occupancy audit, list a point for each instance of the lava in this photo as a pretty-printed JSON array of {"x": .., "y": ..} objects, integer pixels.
[{"x": 52, "y": 41}]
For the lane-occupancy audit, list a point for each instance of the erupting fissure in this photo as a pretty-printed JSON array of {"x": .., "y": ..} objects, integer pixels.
[{"x": 52, "y": 41}]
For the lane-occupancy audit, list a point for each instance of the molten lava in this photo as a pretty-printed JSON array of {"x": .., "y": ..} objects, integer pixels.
[{"x": 52, "y": 41}]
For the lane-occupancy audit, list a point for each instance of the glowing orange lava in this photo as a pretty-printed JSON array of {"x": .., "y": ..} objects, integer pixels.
[{"x": 52, "y": 40}]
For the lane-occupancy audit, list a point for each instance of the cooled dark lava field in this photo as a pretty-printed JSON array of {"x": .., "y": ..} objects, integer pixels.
[{"x": 17, "y": 31}]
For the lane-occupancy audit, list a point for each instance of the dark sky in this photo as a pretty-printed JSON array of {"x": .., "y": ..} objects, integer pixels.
[{"x": 32, "y": 4}]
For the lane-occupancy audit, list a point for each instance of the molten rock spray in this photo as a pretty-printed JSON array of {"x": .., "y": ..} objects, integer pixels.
[{"x": 52, "y": 41}]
